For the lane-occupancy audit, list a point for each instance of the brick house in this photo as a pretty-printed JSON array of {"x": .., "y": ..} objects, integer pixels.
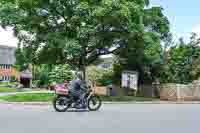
[{"x": 7, "y": 60}]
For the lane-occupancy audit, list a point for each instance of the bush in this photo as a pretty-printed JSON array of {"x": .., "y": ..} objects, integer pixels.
[
  {"x": 60, "y": 73},
  {"x": 13, "y": 79},
  {"x": 102, "y": 77},
  {"x": 36, "y": 83},
  {"x": 43, "y": 78}
]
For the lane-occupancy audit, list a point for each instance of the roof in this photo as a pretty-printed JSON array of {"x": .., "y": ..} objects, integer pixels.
[
  {"x": 26, "y": 74},
  {"x": 7, "y": 55}
]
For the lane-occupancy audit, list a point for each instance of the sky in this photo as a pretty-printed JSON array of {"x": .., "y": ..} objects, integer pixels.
[{"x": 184, "y": 17}]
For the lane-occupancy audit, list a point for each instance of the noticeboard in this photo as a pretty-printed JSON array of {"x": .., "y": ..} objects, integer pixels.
[{"x": 130, "y": 79}]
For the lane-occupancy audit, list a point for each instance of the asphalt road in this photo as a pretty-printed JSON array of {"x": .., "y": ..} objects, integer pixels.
[{"x": 112, "y": 118}]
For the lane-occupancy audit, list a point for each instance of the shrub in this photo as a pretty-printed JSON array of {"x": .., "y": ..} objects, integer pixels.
[
  {"x": 60, "y": 73},
  {"x": 102, "y": 77},
  {"x": 43, "y": 78},
  {"x": 13, "y": 79}
]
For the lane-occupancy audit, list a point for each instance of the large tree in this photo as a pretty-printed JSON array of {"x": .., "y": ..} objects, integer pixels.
[
  {"x": 76, "y": 31},
  {"x": 182, "y": 61},
  {"x": 195, "y": 44},
  {"x": 144, "y": 54}
]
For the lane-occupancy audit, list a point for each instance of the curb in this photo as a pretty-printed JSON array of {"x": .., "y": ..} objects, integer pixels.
[
  {"x": 26, "y": 103},
  {"x": 23, "y": 92},
  {"x": 155, "y": 102},
  {"x": 49, "y": 103}
]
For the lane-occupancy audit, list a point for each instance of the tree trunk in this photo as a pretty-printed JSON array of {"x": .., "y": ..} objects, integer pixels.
[
  {"x": 83, "y": 70},
  {"x": 83, "y": 64},
  {"x": 33, "y": 71}
]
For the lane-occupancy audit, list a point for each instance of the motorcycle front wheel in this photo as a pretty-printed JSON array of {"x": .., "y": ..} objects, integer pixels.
[
  {"x": 61, "y": 103},
  {"x": 94, "y": 103}
]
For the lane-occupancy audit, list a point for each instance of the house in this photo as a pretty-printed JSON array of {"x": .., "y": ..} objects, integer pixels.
[
  {"x": 7, "y": 60},
  {"x": 25, "y": 78},
  {"x": 105, "y": 62}
]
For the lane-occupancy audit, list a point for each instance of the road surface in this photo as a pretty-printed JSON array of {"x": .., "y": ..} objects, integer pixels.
[{"x": 112, "y": 118}]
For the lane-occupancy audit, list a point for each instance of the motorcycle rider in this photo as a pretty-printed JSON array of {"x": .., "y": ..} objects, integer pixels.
[{"x": 77, "y": 88}]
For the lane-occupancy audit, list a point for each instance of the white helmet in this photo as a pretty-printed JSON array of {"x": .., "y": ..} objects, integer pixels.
[{"x": 79, "y": 75}]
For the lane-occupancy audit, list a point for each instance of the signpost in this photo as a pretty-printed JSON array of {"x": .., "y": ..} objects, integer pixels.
[{"x": 130, "y": 80}]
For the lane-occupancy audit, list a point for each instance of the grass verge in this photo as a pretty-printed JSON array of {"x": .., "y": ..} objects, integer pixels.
[
  {"x": 28, "y": 97},
  {"x": 126, "y": 98},
  {"x": 47, "y": 97},
  {"x": 7, "y": 89}
]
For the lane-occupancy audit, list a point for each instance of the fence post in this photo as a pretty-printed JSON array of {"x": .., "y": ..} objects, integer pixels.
[{"x": 178, "y": 92}]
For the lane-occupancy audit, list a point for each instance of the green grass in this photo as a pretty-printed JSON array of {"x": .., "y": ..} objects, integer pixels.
[
  {"x": 126, "y": 98},
  {"x": 47, "y": 97},
  {"x": 7, "y": 89},
  {"x": 28, "y": 97}
]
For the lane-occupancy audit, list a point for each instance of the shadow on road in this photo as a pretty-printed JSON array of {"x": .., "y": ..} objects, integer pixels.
[{"x": 78, "y": 110}]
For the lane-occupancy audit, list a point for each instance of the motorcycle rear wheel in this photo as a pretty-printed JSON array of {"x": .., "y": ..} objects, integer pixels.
[{"x": 60, "y": 104}]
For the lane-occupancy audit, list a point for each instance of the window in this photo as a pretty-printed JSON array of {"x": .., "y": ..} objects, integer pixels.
[
  {"x": 106, "y": 65},
  {"x": 8, "y": 78},
  {"x": 8, "y": 66}
]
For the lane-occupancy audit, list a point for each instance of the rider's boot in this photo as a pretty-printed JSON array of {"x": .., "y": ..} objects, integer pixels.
[{"x": 83, "y": 104}]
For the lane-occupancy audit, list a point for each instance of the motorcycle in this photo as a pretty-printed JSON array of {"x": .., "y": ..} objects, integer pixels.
[{"x": 64, "y": 100}]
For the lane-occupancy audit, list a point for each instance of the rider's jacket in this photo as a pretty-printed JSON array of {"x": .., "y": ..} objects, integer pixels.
[{"x": 77, "y": 86}]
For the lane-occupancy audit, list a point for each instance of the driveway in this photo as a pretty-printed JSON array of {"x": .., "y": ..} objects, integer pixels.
[{"x": 112, "y": 118}]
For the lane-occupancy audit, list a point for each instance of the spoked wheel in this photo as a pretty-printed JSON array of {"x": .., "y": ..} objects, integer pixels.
[
  {"x": 94, "y": 103},
  {"x": 61, "y": 104}
]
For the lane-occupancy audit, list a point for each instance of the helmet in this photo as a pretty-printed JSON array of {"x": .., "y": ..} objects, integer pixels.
[{"x": 79, "y": 75}]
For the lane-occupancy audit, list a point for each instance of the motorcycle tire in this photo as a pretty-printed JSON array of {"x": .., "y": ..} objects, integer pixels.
[
  {"x": 58, "y": 100},
  {"x": 95, "y": 100}
]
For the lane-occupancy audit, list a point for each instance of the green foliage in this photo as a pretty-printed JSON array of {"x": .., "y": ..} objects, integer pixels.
[
  {"x": 41, "y": 74},
  {"x": 195, "y": 41},
  {"x": 44, "y": 78},
  {"x": 102, "y": 77},
  {"x": 13, "y": 79},
  {"x": 143, "y": 52},
  {"x": 91, "y": 27},
  {"x": 196, "y": 69},
  {"x": 78, "y": 32},
  {"x": 60, "y": 73},
  {"x": 178, "y": 66}
]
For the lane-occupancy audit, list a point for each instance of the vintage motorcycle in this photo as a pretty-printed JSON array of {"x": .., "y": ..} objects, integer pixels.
[{"x": 64, "y": 100}]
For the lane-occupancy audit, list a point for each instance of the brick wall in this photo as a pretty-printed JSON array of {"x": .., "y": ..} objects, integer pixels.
[{"x": 180, "y": 92}]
